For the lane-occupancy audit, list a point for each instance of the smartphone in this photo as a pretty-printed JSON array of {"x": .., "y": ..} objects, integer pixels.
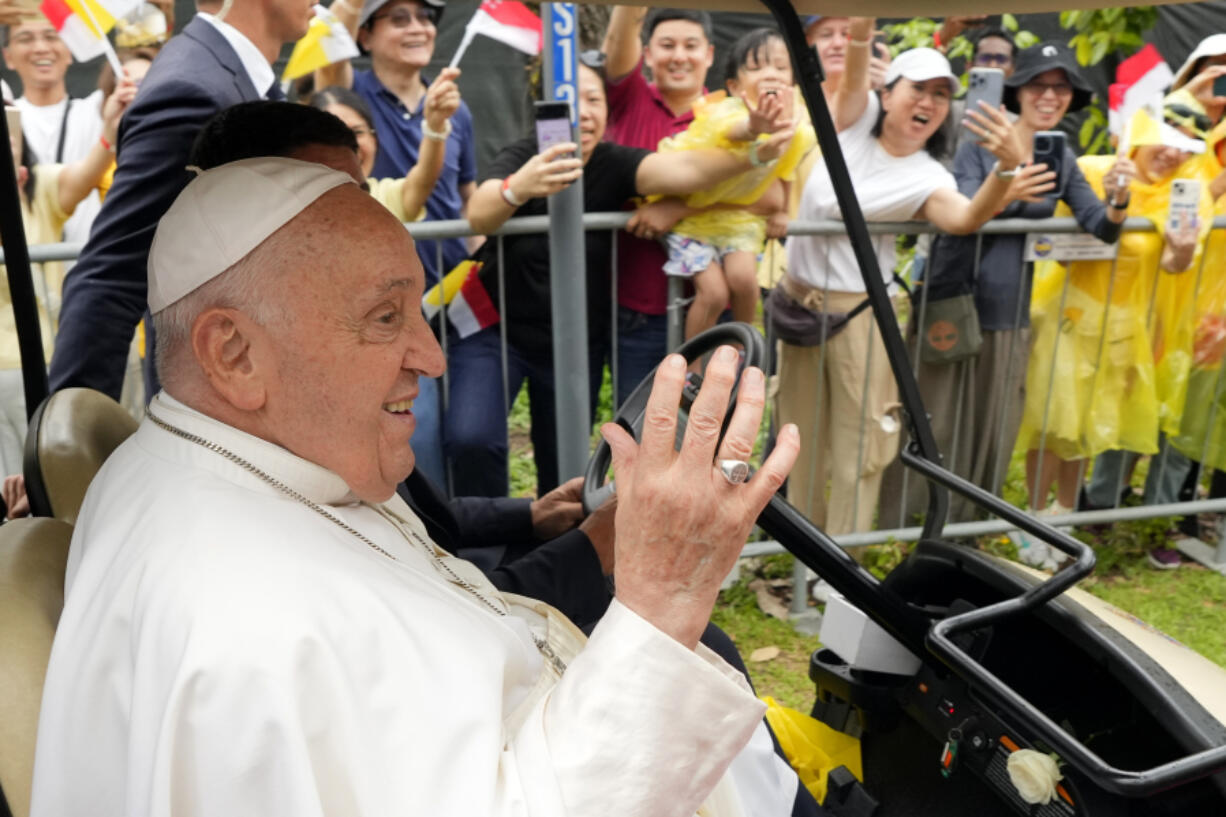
[
  {"x": 1219, "y": 85},
  {"x": 1049, "y": 150},
  {"x": 983, "y": 85},
  {"x": 553, "y": 125},
  {"x": 1185, "y": 196}
]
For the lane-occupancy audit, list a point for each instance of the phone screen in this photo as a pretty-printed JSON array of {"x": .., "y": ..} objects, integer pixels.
[
  {"x": 1219, "y": 85},
  {"x": 552, "y": 125},
  {"x": 1049, "y": 150}
]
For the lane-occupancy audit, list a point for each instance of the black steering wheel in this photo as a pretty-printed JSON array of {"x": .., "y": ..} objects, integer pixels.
[{"x": 630, "y": 416}]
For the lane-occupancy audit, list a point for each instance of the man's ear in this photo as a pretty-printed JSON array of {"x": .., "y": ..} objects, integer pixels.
[
  {"x": 364, "y": 38},
  {"x": 227, "y": 344}
]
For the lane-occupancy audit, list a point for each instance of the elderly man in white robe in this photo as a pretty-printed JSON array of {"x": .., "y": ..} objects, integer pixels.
[{"x": 255, "y": 624}]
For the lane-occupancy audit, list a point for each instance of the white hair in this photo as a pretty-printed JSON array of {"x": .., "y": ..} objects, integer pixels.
[{"x": 242, "y": 287}]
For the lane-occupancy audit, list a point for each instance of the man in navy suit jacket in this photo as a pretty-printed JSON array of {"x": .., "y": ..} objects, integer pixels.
[{"x": 211, "y": 65}]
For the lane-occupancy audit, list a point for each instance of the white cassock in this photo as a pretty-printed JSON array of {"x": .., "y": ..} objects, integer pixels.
[{"x": 226, "y": 650}]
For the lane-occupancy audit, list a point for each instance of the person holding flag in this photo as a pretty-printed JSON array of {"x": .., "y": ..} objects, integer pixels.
[
  {"x": 399, "y": 36},
  {"x": 58, "y": 128}
]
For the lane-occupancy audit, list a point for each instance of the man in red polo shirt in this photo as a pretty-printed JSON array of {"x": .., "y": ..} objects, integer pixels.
[{"x": 678, "y": 52}]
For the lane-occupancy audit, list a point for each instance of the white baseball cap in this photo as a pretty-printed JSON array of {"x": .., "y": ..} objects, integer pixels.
[
  {"x": 224, "y": 214},
  {"x": 1212, "y": 46},
  {"x": 921, "y": 65}
]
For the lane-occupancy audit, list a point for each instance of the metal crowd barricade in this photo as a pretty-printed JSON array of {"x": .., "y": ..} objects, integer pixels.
[{"x": 890, "y": 527}]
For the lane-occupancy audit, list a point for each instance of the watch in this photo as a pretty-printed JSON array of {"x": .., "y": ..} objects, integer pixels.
[{"x": 1002, "y": 174}]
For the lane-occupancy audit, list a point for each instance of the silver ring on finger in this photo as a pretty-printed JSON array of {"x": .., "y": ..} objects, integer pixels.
[{"x": 735, "y": 471}]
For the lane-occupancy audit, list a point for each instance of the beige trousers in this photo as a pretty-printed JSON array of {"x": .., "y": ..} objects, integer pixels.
[{"x": 843, "y": 398}]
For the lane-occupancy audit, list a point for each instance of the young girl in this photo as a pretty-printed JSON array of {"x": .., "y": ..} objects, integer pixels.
[{"x": 718, "y": 244}]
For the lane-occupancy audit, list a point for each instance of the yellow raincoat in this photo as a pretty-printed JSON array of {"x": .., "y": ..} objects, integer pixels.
[
  {"x": 714, "y": 116},
  {"x": 1202, "y": 430},
  {"x": 1108, "y": 360}
]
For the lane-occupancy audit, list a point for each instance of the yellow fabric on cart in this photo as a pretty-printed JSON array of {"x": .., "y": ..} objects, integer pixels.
[
  {"x": 714, "y": 115},
  {"x": 1202, "y": 430},
  {"x": 1097, "y": 358},
  {"x": 811, "y": 747}
]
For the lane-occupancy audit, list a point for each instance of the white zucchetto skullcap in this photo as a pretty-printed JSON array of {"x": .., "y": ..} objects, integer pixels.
[{"x": 224, "y": 214}]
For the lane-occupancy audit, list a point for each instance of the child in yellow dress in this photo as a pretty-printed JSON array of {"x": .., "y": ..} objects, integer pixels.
[{"x": 718, "y": 246}]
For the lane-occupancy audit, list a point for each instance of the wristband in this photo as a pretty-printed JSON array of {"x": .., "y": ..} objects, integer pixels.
[
  {"x": 1004, "y": 175},
  {"x": 109, "y": 147},
  {"x": 1123, "y": 205},
  {"x": 508, "y": 195},
  {"x": 437, "y": 136}
]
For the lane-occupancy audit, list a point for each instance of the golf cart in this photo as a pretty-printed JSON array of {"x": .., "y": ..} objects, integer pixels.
[
  {"x": 984, "y": 657},
  {"x": 990, "y": 658}
]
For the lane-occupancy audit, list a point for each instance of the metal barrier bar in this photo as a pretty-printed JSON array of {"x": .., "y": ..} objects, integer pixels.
[
  {"x": 614, "y": 221},
  {"x": 459, "y": 228},
  {"x": 961, "y": 530}
]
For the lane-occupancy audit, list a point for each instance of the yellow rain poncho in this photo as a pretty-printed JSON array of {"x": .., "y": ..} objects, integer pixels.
[
  {"x": 1095, "y": 348},
  {"x": 714, "y": 117},
  {"x": 1202, "y": 430}
]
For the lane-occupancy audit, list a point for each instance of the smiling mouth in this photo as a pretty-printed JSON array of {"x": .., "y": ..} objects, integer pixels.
[
  {"x": 399, "y": 407},
  {"x": 921, "y": 118}
]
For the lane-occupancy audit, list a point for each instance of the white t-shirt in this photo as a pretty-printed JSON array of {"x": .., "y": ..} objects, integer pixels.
[
  {"x": 41, "y": 125},
  {"x": 889, "y": 188}
]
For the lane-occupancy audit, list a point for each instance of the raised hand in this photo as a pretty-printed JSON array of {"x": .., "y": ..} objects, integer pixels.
[
  {"x": 773, "y": 112},
  {"x": 1030, "y": 183},
  {"x": 442, "y": 99},
  {"x": 547, "y": 173},
  {"x": 996, "y": 134},
  {"x": 680, "y": 523}
]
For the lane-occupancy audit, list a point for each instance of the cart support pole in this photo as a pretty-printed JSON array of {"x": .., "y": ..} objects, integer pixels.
[
  {"x": 567, "y": 262},
  {"x": 21, "y": 284}
]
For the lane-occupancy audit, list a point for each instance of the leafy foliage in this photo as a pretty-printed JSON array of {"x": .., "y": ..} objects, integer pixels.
[{"x": 1115, "y": 32}]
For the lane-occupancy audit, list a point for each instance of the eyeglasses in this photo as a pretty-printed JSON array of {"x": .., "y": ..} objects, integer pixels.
[
  {"x": 938, "y": 93},
  {"x": 993, "y": 59},
  {"x": 1060, "y": 89},
  {"x": 403, "y": 17}
]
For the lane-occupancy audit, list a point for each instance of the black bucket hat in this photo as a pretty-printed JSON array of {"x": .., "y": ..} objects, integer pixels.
[{"x": 1047, "y": 56}]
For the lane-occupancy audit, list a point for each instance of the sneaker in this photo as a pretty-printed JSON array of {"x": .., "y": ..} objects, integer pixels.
[
  {"x": 1164, "y": 558},
  {"x": 1032, "y": 551},
  {"x": 1058, "y": 556}
]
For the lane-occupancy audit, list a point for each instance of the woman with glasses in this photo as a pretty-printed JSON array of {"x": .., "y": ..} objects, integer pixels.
[
  {"x": 976, "y": 403},
  {"x": 838, "y": 388}
]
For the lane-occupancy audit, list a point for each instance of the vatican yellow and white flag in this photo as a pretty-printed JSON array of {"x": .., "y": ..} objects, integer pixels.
[{"x": 326, "y": 41}]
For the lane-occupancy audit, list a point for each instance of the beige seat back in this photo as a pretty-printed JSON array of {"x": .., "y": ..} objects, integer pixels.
[
  {"x": 71, "y": 435},
  {"x": 33, "y": 553}
]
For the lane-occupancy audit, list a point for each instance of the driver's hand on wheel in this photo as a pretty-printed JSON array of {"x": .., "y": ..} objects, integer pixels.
[
  {"x": 680, "y": 523},
  {"x": 558, "y": 511}
]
